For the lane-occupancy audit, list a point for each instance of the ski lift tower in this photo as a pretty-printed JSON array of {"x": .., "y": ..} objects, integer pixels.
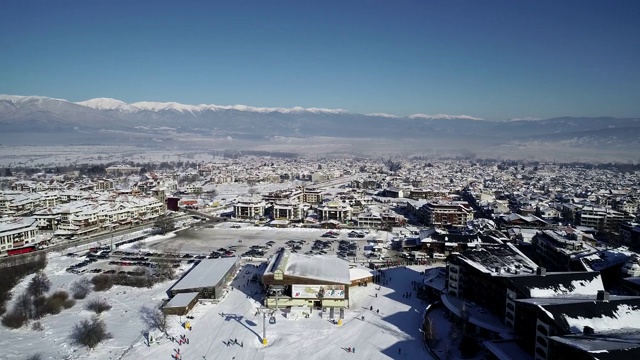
[{"x": 277, "y": 290}]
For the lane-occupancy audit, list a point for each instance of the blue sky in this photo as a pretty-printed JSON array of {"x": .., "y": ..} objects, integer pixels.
[{"x": 490, "y": 59}]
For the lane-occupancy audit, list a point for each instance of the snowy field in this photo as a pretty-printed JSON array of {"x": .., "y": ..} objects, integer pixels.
[{"x": 380, "y": 336}]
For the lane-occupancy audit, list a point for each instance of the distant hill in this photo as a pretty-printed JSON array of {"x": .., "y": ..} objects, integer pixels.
[{"x": 31, "y": 120}]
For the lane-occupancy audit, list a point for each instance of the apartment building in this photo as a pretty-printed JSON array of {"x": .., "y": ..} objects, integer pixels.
[{"x": 446, "y": 214}]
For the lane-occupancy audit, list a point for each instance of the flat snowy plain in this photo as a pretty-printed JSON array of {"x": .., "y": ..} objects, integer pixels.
[{"x": 380, "y": 336}]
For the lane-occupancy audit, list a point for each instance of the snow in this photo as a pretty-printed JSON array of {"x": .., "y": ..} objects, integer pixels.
[
  {"x": 114, "y": 104},
  {"x": 383, "y": 115},
  {"x": 549, "y": 314},
  {"x": 577, "y": 287},
  {"x": 624, "y": 317},
  {"x": 205, "y": 274},
  {"x": 163, "y": 106},
  {"x": 108, "y": 104},
  {"x": 443, "y": 116},
  {"x": 328, "y": 267},
  {"x": 19, "y": 98},
  {"x": 377, "y": 337}
]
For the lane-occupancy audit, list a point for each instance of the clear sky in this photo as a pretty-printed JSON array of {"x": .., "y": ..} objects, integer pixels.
[{"x": 490, "y": 59}]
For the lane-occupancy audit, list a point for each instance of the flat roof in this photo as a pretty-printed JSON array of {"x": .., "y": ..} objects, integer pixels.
[
  {"x": 181, "y": 300},
  {"x": 207, "y": 273}
]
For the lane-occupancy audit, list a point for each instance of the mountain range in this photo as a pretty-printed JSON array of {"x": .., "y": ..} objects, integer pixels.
[{"x": 35, "y": 120}]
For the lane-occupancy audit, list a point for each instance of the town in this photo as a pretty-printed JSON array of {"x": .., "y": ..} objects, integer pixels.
[{"x": 506, "y": 260}]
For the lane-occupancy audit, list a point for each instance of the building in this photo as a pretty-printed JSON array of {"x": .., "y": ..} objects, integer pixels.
[
  {"x": 630, "y": 234},
  {"x": 446, "y": 214},
  {"x": 181, "y": 303},
  {"x": 586, "y": 327},
  {"x": 16, "y": 234},
  {"x": 249, "y": 208},
  {"x": 561, "y": 250},
  {"x": 312, "y": 196},
  {"x": 334, "y": 210},
  {"x": 601, "y": 218},
  {"x": 208, "y": 278},
  {"x": 297, "y": 280}
]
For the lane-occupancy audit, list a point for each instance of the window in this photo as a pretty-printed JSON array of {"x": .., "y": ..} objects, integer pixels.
[
  {"x": 543, "y": 330},
  {"x": 278, "y": 275},
  {"x": 541, "y": 341}
]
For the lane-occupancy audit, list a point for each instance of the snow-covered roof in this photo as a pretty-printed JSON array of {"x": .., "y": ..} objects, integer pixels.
[
  {"x": 14, "y": 224},
  {"x": 619, "y": 344},
  {"x": 501, "y": 260},
  {"x": 358, "y": 273},
  {"x": 318, "y": 267},
  {"x": 181, "y": 299},
  {"x": 207, "y": 273},
  {"x": 572, "y": 314},
  {"x": 558, "y": 284}
]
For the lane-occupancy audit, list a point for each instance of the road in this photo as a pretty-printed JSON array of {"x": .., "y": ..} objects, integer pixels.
[{"x": 93, "y": 238}]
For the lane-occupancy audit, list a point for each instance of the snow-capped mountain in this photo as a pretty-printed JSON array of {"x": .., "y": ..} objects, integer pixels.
[
  {"x": 108, "y": 120},
  {"x": 442, "y": 116},
  {"x": 108, "y": 104}
]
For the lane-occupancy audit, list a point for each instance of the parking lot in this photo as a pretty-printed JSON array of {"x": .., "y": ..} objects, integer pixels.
[
  {"x": 257, "y": 242},
  {"x": 233, "y": 239}
]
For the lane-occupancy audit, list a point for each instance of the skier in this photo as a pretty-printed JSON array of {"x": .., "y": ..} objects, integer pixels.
[
  {"x": 376, "y": 294},
  {"x": 371, "y": 308},
  {"x": 399, "y": 351},
  {"x": 354, "y": 350},
  {"x": 377, "y": 311}
]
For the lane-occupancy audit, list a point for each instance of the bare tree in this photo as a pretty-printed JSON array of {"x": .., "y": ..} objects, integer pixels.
[
  {"x": 98, "y": 305},
  {"x": 164, "y": 224},
  {"x": 24, "y": 306},
  {"x": 165, "y": 270},
  {"x": 39, "y": 284},
  {"x": 37, "y": 326},
  {"x": 80, "y": 288},
  {"x": 154, "y": 318},
  {"x": 90, "y": 332}
]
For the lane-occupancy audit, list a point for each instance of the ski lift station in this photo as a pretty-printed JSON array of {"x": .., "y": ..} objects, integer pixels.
[{"x": 314, "y": 281}]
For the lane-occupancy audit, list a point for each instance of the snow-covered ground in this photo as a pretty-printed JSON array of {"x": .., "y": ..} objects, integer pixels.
[{"x": 380, "y": 336}]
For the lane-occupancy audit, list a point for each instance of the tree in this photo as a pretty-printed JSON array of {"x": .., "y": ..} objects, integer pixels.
[
  {"x": 164, "y": 224},
  {"x": 154, "y": 318},
  {"x": 90, "y": 332},
  {"x": 165, "y": 270},
  {"x": 80, "y": 288},
  {"x": 98, "y": 305},
  {"x": 39, "y": 285}
]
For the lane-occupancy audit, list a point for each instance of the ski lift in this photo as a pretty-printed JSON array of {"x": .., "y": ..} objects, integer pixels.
[{"x": 272, "y": 320}]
